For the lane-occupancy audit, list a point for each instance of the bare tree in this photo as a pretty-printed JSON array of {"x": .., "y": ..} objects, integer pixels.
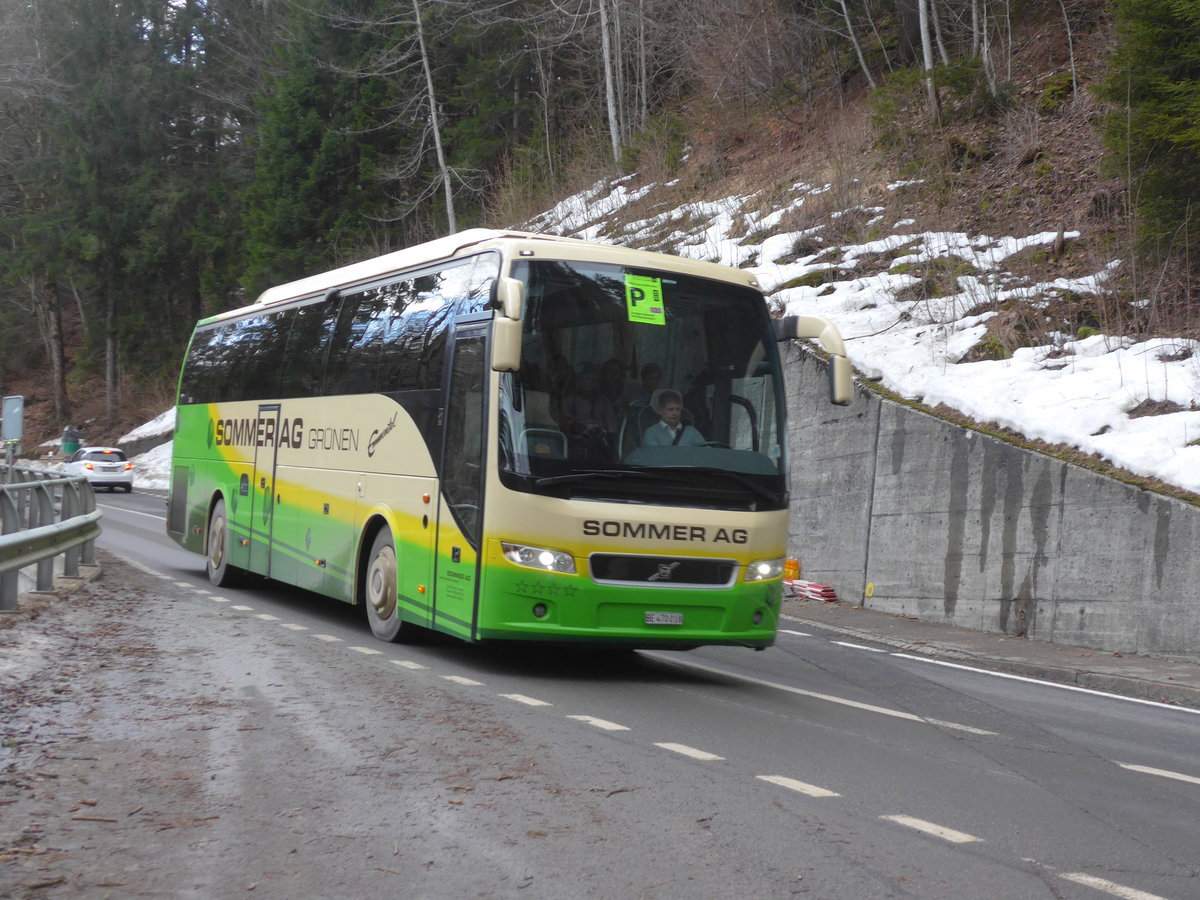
[
  {"x": 435, "y": 124},
  {"x": 862, "y": 62},
  {"x": 927, "y": 58}
]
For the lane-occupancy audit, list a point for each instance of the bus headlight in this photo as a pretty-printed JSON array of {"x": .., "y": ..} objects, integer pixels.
[
  {"x": 539, "y": 558},
  {"x": 762, "y": 569}
]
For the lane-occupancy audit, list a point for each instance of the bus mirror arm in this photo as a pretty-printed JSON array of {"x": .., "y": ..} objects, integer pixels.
[{"x": 841, "y": 383}]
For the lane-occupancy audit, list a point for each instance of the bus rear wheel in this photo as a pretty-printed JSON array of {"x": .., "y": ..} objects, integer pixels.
[
  {"x": 379, "y": 590},
  {"x": 220, "y": 571}
]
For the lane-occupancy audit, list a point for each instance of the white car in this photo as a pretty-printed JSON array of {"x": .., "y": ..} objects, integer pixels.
[{"x": 103, "y": 467}]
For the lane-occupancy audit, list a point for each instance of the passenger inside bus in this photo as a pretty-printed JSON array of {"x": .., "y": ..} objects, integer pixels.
[
  {"x": 652, "y": 376},
  {"x": 590, "y": 418}
]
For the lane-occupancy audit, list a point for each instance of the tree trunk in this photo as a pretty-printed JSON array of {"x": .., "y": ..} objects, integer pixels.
[
  {"x": 434, "y": 123},
  {"x": 48, "y": 310},
  {"x": 927, "y": 60},
  {"x": 111, "y": 401},
  {"x": 862, "y": 62},
  {"x": 614, "y": 134}
]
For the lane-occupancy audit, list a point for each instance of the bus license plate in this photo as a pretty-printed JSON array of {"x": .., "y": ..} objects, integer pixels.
[{"x": 664, "y": 618}]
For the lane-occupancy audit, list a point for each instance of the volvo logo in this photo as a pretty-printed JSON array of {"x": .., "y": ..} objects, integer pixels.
[{"x": 664, "y": 571}]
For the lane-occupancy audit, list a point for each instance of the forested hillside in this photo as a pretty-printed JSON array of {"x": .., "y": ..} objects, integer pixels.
[{"x": 161, "y": 161}]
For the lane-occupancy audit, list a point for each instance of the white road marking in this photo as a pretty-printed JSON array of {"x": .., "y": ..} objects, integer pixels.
[
  {"x": 792, "y": 784},
  {"x": 858, "y": 646},
  {"x": 931, "y": 828},
  {"x": 267, "y": 617},
  {"x": 328, "y": 638},
  {"x": 244, "y": 608},
  {"x": 797, "y": 633},
  {"x": 408, "y": 664},
  {"x": 366, "y": 651},
  {"x": 182, "y": 584},
  {"x": 459, "y": 679},
  {"x": 1053, "y": 684},
  {"x": 690, "y": 751},
  {"x": 134, "y": 512},
  {"x": 841, "y": 701},
  {"x": 1109, "y": 887},
  {"x": 292, "y": 626},
  {"x": 219, "y": 599},
  {"x": 599, "y": 723},
  {"x": 528, "y": 701},
  {"x": 1164, "y": 773}
]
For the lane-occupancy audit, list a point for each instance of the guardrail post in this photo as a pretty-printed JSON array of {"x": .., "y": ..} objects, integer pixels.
[
  {"x": 70, "y": 509},
  {"x": 44, "y": 503},
  {"x": 9, "y": 523}
]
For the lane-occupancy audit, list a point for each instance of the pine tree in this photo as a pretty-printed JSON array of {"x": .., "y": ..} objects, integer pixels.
[{"x": 1155, "y": 132}]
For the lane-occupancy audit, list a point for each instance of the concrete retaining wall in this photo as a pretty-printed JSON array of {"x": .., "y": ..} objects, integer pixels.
[{"x": 902, "y": 512}]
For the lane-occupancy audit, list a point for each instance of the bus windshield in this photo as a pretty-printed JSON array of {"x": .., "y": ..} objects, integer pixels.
[{"x": 643, "y": 386}]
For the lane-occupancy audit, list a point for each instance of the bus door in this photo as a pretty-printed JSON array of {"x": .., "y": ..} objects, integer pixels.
[
  {"x": 460, "y": 513},
  {"x": 262, "y": 488}
]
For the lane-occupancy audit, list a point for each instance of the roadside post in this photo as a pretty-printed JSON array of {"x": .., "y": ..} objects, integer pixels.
[{"x": 12, "y": 423}]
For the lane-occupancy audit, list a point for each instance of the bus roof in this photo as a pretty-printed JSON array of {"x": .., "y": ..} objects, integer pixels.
[{"x": 511, "y": 243}]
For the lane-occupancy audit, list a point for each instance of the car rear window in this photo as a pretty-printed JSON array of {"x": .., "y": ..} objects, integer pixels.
[{"x": 105, "y": 456}]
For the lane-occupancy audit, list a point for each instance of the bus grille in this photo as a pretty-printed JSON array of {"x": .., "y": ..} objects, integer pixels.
[{"x": 663, "y": 571}]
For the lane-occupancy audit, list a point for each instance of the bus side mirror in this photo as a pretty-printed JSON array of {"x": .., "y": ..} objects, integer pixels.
[
  {"x": 506, "y": 327},
  {"x": 841, "y": 384},
  {"x": 510, "y": 297},
  {"x": 506, "y": 344}
]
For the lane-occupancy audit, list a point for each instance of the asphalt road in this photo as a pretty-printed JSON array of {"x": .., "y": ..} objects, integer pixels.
[{"x": 315, "y": 761}]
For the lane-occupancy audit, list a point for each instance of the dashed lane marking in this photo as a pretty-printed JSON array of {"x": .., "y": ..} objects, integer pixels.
[
  {"x": 528, "y": 701},
  {"x": 810, "y": 790},
  {"x": 796, "y": 633},
  {"x": 933, "y": 829},
  {"x": 459, "y": 679},
  {"x": 407, "y": 664},
  {"x": 1108, "y": 887},
  {"x": 244, "y": 608},
  {"x": 599, "y": 723},
  {"x": 1162, "y": 773},
  {"x": 328, "y": 638},
  {"x": 690, "y": 751},
  {"x": 292, "y": 626},
  {"x": 267, "y": 617},
  {"x": 366, "y": 651}
]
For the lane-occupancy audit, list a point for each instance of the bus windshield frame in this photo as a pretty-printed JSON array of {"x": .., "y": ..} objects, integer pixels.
[{"x": 581, "y": 419}]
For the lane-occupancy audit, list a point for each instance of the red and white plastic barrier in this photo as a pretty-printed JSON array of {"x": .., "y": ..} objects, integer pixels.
[{"x": 797, "y": 589}]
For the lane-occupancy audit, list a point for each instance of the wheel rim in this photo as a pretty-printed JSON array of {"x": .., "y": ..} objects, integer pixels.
[
  {"x": 216, "y": 542},
  {"x": 381, "y": 583}
]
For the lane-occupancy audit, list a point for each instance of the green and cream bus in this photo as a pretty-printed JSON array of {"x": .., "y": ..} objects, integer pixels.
[{"x": 405, "y": 434}]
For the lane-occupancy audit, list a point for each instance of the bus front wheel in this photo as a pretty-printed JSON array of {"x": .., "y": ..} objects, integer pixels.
[
  {"x": 380, "y": 592},
  {"x": 220, "y": 571}
]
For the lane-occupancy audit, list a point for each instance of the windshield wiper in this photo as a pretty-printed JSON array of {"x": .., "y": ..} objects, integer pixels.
[
  {"x": 589, "y": 474},
  {"x": 754, "y": 487}
]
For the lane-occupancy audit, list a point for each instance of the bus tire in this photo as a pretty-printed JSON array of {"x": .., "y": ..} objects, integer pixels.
[
  {"x": 221, "y": 572},
  {"x": 379, "y": 590}
]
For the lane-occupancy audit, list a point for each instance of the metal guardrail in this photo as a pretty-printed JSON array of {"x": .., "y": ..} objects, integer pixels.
[{"x": 42, "y": 515}]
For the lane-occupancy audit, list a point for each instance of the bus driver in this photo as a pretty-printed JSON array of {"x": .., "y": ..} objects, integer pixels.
[{"x": 670, "y": 431}]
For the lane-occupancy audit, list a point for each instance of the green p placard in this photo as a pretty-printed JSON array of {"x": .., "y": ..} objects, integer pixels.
[{"x": 644, "y": 300}]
